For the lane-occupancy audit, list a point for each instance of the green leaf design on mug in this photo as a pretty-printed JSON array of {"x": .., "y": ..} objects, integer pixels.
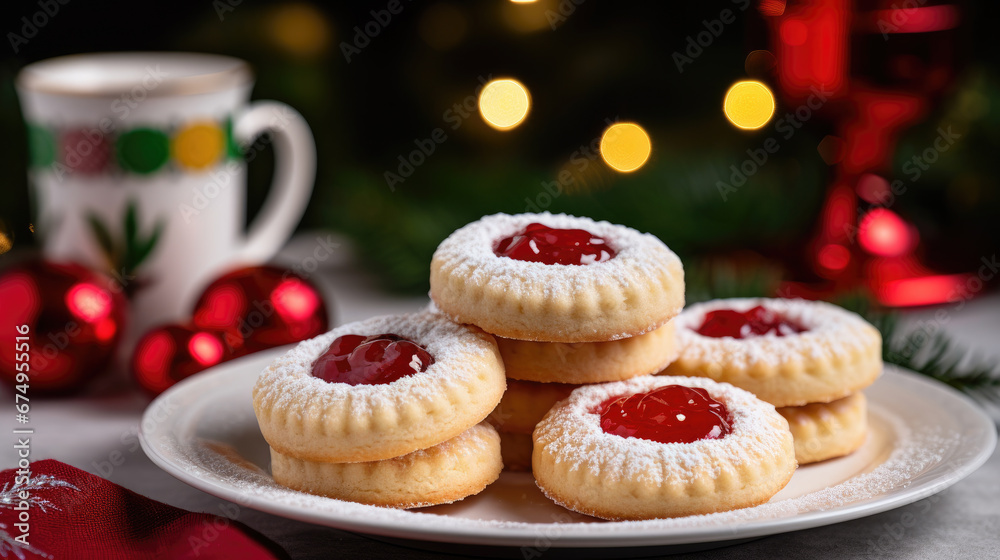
[
  {"x": 126, "y": 255},
  {"x": 102, "y": 235}
]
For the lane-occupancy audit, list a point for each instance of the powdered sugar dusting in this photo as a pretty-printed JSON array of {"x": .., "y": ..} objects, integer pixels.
[
  {"x": 912, "y": 455},
  {"x": 832, "y": 332},
  {"x": 572, "y": 432},
  {"x": 473, "y": 244},
  {"x": 457, "y": 351},
  {"x": 642, "y": 260}
]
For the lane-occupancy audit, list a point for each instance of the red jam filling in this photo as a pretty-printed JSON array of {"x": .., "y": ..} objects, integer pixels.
[
  {"x": 371, "y": 360},
  {"x": 743, "y": 324},
  {"x": 539, "y": 243},
  {"x": 671, "y": 414}
]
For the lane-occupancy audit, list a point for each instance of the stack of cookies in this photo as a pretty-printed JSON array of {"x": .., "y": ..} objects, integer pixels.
[
  {"x": 570, "y": 301},
  {"x": 809, "y": 359},
  {"x": 387, "y": 411}
]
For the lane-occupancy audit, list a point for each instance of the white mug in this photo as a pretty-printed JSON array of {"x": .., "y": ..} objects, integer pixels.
[{"x": 138, "y": 167}]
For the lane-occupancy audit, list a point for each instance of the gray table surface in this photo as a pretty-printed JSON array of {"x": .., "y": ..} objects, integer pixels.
[{"x": 97, "y": 433}]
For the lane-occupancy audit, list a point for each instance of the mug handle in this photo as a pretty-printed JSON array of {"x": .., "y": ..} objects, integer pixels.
[{"x": 294, "y": 173}]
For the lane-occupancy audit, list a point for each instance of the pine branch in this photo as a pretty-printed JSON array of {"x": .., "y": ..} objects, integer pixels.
[
  {"x": 933, "y": 354},
  {"x": 937, "y": 356}
]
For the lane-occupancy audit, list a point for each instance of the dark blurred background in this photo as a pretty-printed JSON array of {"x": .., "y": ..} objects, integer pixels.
[{"x": 585, "y": 64}]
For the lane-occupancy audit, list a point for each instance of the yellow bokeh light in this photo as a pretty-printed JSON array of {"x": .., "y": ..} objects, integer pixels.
[
  {"x": 625, "y": 147},
  {"x": 529, "y": 17},
  {"x": 504, "y": 103},
  {"x": 300, "y": 29},
  {"x": 5, "y": 243},
  {"x": 749, "y": 105}
]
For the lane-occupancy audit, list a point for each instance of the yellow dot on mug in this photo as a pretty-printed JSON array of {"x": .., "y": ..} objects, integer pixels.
[
  {"x": 504, "y": 103},
  {"x": 749, "y": 105},
  {"x": 625, "y": 147},
  {"x": 198, "y": 146}
]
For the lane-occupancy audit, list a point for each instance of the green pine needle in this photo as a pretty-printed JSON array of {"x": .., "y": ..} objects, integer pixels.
[{"x": 937, "y": 356}]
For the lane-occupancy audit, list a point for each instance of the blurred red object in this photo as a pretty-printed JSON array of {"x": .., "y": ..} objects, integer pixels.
[
  {"x": 75, "y": 514},
  {"x": 168, "y": 354},
  {"x": 262, "y": 307},
  {"x": 72, "y": 318},
  {"x": 869, "y": 100}
]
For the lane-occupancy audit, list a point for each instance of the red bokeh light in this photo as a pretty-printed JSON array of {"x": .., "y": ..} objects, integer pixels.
[
  {"x": 88, "y": 302},
  {"x": 151, "y": 361},
  {"x": 105, "y": 329},
  {"x": 205, "y": 348},
  {"x": 833, "y": 257},
  {"x": 884, "y": 233},
  {"x": 222, "y": 307},
  {"x": 923, "y": 290},
  {"x": 261, "y": 307},
  {"x": 76, "y": 321},
  {"x": 812, "y": 50},
  {"x": 168, "y": 354},
  {"x": 294, "y": 300}
]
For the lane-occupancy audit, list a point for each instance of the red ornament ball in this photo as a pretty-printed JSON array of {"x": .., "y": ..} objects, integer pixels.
[
  {"x": 73, "y": 319},
  {"x": 168, "y": 354},
  {"x": 261, "y": 307}
]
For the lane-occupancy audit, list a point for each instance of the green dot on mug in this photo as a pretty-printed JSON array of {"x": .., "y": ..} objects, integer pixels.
[
  {"x": 143, "y": 150},
  {"x": 41, "y": 146}
]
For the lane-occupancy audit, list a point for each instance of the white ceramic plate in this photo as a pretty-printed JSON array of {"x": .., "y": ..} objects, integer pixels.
[{"x": 924, "y": 437}]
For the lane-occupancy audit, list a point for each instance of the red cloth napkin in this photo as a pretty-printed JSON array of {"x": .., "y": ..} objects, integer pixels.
[{"x": 61, "y": 512}]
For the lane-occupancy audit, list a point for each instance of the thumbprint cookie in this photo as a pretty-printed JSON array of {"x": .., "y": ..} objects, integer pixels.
[
  {"x": 378, "y": 389},
  {"x": 788, "y": 352},
  {"x": 654, "y": 447},
  {"x": 556, "y": 278}
]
